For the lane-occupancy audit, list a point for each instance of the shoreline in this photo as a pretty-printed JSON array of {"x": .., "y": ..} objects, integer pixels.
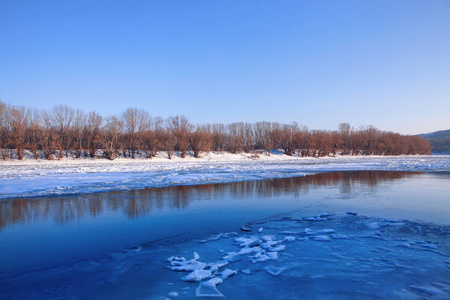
[{"x": 31, "y": 179}]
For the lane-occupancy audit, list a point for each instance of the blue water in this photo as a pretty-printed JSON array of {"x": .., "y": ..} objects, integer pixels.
[{"x": 41, "y": 239}]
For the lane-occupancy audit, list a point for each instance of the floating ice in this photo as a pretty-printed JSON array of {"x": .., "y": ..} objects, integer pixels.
[
  {"x": 226, "y": 273},
  {"x": 172, "y": 294},
  {"x": 249, "y": 250},
  {"x": 248, "y": 241},
  {"x": 208, "y": 289},
  {"x": 324, "y": 238},
  {"x": 197, "y": 275},
  {"x": 216, "y": 266},
  {"x": 339, "y": 236},
  {"x": 232, "y": 256},
  {"x": 260, "y": 257},
  {"x": 352, "y": 213},
  {"x": 245, "y": 228},
  {"x": 213, "y": 238},
  {"x": 277, "y": 248},
  {"x": 230, "y": 234},
  {"x": 274, "y": 270},
  {"x": 134, "y": 249},
  {"x": 349, "y": 254},
  {"x": 189, "y": 265}
]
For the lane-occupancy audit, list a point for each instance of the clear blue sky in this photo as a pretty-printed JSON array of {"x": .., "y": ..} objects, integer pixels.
[{"x": 319, "y": 63}]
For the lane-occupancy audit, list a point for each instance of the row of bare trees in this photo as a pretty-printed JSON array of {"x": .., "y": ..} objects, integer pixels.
[{"x": 64, "y": 131}]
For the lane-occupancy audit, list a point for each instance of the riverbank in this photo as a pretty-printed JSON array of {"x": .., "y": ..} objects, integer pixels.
[{"x": 37, "y": 178}]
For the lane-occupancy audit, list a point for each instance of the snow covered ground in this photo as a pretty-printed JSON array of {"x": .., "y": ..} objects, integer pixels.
[{"x": 31, "y": 178}]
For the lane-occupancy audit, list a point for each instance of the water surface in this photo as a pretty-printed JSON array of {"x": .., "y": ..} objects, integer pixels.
[{"x": 39, "y": 234}]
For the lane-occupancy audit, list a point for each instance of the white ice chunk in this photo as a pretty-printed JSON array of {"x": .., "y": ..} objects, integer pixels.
[
  {"x": 270, "y": 244},
  {"x": 429, "y": 246},
  {"x": 289, "y": 238},
  {"x": 227, "y": 273},
  {"x": 135, "y": 249},
  {"x": 176, "y": 258},
  {"x": 216, "y": 266},
  {"x": 260, "y": 257},
  {"x": 230, "y": 234},
  {"x": 196, "y": 256},
  {"x": 232, "y": 256},
  {"x": 246, "y": 271},
  {"x": 247, "y": 241},
  {"x": 187, "y": 266},
  {"x": 172, "y": 294},
  {"x": 197, "y": 275},
  {"x": 272, "y": 255},
  {"x": 260, "y": 229},
  {"x": 266, "y": 238},
  {"x": 244, "y": 228},
  {"x": 324, "y": 238},
  {"x": 274, "y": 270},
  {"x": 277, "y": 248},
  {"x": 208, "y": 289},
  {"x": 213, "y": 238},
  {"x": 249, "y": 250}
]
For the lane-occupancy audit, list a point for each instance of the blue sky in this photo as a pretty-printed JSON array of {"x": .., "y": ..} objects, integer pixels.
[{"x": 319, "y": 63}]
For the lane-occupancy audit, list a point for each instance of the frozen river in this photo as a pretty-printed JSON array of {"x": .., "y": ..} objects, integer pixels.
[{"x": 372, "y": 234}]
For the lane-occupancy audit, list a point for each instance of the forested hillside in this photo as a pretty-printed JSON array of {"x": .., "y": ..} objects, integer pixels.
[
  {"x": 64, "y": 131},
  {"x": 439, "y": 140}
]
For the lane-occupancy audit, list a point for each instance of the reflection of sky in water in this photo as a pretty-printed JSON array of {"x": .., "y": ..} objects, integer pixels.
[{"x": 43, "y": 230}]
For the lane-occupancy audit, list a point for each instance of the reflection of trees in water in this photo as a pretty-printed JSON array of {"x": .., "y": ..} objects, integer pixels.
[{"x": 142, "y": 202}]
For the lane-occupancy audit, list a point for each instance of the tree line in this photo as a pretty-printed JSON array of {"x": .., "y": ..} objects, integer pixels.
[{"x": 65, "y": 131}]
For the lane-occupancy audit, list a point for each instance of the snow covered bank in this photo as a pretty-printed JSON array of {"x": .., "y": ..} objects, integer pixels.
[{"x": 30, "y": 178}]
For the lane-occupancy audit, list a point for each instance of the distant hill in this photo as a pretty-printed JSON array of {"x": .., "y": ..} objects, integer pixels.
[{"x": 439, "y": 140}]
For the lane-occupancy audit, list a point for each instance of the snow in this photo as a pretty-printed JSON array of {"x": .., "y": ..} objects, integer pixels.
[{"x": 31, "y": 178}]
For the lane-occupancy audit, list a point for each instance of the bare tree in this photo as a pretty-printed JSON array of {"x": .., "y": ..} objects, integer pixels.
[
  {"x": 287, "y": 137},
  {"x": 235, "y": 137},
  {"x": 34, "y": 131},
  {"x": 168, "y": 141},
  {"x": 94, "y": 122},
  {"x": 110, "y": 133},
  {"x": 181, "y": 129},
  {"x": 62, "y": 118},
  {"x": 152, "y": 136},
  {"x": 345, "y": 131},
  {"x": 78, "y": 131},
  {"x": 219, "y": 137},
  {"x": 4, "y": 112},
  {"x": 135, "y": 122},
  {"x": 263, "y": 136},
  {"x": 19, "y": 122},
  {"x": 200, "y": 140}
]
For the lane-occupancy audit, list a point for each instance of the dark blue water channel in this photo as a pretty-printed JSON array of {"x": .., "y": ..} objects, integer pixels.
[{"x": 42, "y": 233}]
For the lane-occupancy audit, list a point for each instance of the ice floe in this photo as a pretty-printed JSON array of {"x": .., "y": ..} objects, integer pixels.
[
  {"x": 70, "y": 177},
  {"x": 351, "y": 247}
]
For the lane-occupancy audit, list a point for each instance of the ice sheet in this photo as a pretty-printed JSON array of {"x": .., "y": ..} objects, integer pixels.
[{"x": 30, "y": 178}]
